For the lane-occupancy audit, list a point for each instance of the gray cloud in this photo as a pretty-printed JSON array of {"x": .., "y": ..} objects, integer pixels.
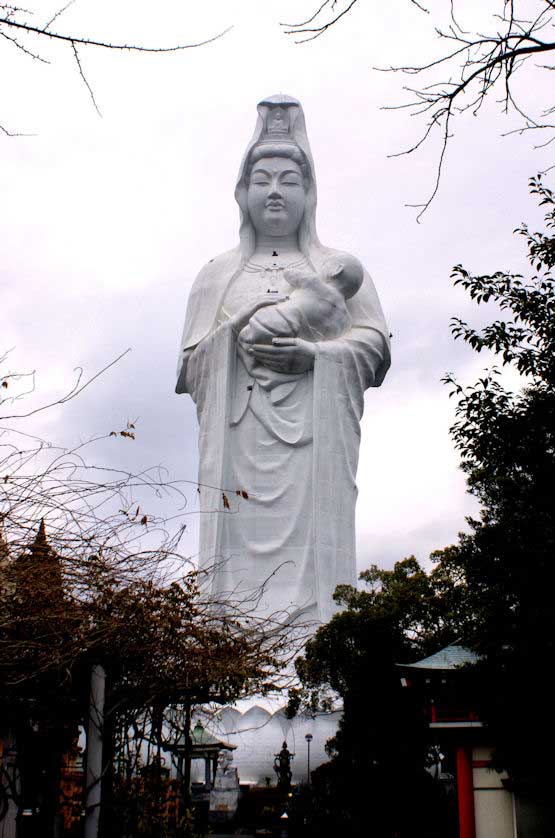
[{"x": 106, "y": 222}]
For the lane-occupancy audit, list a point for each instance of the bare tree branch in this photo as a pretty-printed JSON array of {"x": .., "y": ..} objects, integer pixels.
[
  {"x": 81, "y": 73},
  {"x": 9, "y": 20},
  {"x": 57, "y": 15},
  {"x": 8, "y": 133},
  {"x": 318, "y": 30},
  {"x": 478, "y": 64},
  {"x": 311, "y": 18},
  {"x": 71, "y": 39},
  {"x": 20, "y": 46},
  {"x": 303, "y": 27},
  {"x": 75, "y": 390}
]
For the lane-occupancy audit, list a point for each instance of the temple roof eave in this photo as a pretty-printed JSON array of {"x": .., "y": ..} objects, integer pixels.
[{"x": 451, "y": 657}]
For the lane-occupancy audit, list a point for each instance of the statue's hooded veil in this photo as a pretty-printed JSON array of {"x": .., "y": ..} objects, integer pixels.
[
  {"x": 211, "y": 284},
  {"x": 294, "y": 136}
]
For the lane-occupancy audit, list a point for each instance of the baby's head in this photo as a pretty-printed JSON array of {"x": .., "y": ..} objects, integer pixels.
[{"x": 344, "y": 272}]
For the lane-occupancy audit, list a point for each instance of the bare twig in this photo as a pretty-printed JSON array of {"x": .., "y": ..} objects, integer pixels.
[
  {"x": 317, "y": 31},
  {"x": 8, "y": 133},
  {"x": 57, "y": 15},
  {"x": 81, "y": 73},
  {"x": 71, "y": 39},
  {"x": 20, "y": 46},
  {"x": 75, "y": 390},
  {"x": 9, "y": 21},
  {"x": 310, "y": 19},
  {"x": 478, "y": 63},
  {"x": 303, "y": 27}
]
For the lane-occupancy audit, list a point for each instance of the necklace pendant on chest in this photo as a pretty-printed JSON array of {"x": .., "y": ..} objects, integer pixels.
[
  {"x": 272, "y": 274},
  {"x": 270, "y": 277}
]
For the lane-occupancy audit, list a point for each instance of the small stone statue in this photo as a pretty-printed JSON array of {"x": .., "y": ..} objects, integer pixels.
[
  {"x": 282, "y": 767},
  {"x": 224, "y": 796},
  {"x": 224, "y": 762}
]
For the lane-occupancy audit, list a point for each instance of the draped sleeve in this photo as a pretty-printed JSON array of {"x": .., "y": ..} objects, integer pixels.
[{"x": 204, "y": 302}]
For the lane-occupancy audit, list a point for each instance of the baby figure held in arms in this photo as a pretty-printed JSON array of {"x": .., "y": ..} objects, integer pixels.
[{"x": 315, "y": 310}]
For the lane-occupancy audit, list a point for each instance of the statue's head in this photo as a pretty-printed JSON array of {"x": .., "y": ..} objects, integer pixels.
[
  {"x": 276, "y": 189},
  {"x": 276, "y": 192}
]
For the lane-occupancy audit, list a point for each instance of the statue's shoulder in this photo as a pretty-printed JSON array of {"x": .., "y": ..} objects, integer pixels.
[
  {"x": 206, "y": 295},
  {"x": 330, "y": 252},
  {"x": 216, "y": 266}
]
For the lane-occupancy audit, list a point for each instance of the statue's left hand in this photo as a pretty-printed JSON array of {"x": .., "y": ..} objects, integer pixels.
[{"x": 288, "y": 355}]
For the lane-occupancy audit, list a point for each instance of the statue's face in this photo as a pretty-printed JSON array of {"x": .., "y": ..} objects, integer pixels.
[{"x": 276, "y": 197}]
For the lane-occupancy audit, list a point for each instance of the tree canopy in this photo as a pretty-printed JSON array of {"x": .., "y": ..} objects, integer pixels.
[
  {"x": 492, "y": 590},
  {"x": 506, "y": 438},
  {"x": 376, "y": 773}
]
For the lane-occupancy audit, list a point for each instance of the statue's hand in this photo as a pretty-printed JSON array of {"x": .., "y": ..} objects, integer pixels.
[
  {"x": 242, "y": 317},
  {"x": 288, "y": 355}
]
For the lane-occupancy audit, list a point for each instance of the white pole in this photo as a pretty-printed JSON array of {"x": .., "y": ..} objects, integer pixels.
[{"x": 94, "y": 751}]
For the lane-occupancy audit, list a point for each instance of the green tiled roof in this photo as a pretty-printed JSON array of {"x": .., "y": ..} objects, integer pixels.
[
  {"x": 202, "y": 738},
  {"x": 452, "y": 657},
  {"x": 202, "y": 741}
]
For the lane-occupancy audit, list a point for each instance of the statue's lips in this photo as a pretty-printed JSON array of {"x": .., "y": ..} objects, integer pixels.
[{"x": 274, "y": 206}]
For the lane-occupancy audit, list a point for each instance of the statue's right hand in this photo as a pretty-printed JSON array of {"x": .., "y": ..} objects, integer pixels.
[{"x": 242, "y": 317}]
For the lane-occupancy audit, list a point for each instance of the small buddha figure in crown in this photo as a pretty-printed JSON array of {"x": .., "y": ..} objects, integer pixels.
[{"x": 277, "y": 123}]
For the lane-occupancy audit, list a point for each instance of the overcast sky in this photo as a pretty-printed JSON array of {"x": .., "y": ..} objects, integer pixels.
[{"x": 106, "y": 221}]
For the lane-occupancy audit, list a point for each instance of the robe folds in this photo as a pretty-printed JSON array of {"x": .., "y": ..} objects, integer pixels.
[{"x": 211, "y": 371}]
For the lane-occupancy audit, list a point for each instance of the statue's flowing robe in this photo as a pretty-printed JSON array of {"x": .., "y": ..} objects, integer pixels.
[{"x": 343, "y": 369}]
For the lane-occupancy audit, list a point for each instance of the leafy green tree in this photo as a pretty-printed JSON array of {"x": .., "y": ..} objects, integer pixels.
[
  {"x": 506, "y": 439},
  {"x": 493, "y": 589},
  {"x": 376, "y": 775}
]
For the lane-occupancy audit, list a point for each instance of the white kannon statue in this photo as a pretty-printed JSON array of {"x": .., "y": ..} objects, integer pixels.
[{"x": 282, "y": 337}]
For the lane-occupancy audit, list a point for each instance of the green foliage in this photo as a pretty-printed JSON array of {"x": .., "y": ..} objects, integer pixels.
[
  {"x": 379, "y": 753},
  {"x": 401, "y": 614},
  {"x": 492, "y": 590},
  {"x": 427, "y": 607},
  {"x": 506, "y": 439}
]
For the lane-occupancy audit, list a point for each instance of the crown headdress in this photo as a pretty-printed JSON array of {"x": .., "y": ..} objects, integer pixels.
[{"x": 277, "y": 116}]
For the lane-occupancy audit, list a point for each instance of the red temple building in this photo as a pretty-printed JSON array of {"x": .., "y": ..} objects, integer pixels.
[{"x": 487, "y": 805}]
